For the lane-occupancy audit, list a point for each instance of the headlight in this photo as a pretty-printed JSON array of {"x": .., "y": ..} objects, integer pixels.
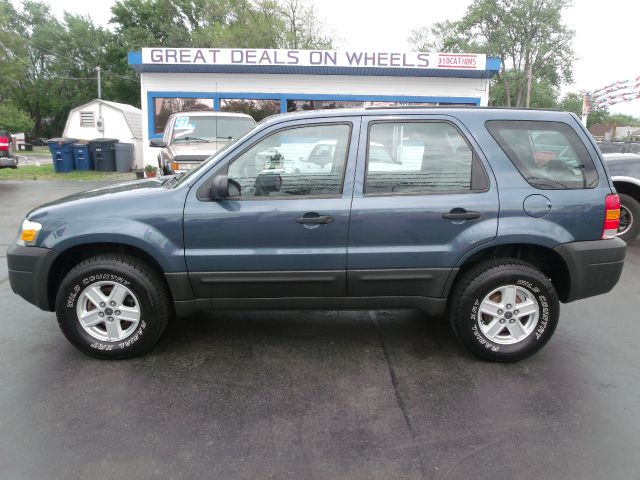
[{"x": 28, "y": 232}]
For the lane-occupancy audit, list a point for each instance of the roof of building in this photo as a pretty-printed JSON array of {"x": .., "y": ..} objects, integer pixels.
[{"x": 131, "y": 114}]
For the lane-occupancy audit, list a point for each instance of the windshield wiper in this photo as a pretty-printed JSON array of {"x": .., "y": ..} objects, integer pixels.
[
  {"x": 171, "y": 180},
  {"x": 226, "y": 138}
]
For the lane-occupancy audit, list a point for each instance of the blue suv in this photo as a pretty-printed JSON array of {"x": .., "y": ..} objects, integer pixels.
[{"x": 490, "y": 216}]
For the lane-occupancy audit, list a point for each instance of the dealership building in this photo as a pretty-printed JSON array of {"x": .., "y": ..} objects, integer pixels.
[{"x": 266, "y": 81}]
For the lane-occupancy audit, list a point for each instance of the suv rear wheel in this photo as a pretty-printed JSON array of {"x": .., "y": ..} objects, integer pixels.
[
  {"x": 113, "y": 306},
  {"x": 629, "y": 227},
  {"x": 504, "y": 310}
]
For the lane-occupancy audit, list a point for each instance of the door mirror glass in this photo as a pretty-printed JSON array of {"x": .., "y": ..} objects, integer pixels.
[{"x": 157, "y": 143}]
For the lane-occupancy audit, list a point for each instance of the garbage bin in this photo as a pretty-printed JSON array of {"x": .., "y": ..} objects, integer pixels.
[
  {"x": 124, "y": 157},
  {"x": 82, "y": 156},
  {"x": 102, "y": 151},
  {"x": 61, "y": 153}
]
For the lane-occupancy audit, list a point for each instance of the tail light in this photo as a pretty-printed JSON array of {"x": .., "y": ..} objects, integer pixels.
[
  {"x": 4, "y": 143},
  {"x": 611, "y": 216}
]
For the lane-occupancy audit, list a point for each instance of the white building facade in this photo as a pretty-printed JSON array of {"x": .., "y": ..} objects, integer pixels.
[{"x": 264, "y": 81}]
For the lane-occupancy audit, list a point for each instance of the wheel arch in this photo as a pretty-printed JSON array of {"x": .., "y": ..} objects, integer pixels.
[
  {"x": 628, "y": 186},
  {"x": 70, "y": 257},
  {"x": 546, "y": 259}
]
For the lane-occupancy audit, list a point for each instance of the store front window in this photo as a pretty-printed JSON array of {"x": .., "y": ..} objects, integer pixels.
[
  {"x": 303, "y": 105},
  {"x": 164, "y": 107},
  {"x": 258, "y": 109}
]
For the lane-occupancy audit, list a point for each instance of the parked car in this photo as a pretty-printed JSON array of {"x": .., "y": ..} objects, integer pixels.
[
  {"x": 191, "y": 137},
  {"x": 39, "y": 142},
  {"x": 488, "y": 227},
  {"x": 625, "y": 173},
  {"x": 7, "y": 158}
]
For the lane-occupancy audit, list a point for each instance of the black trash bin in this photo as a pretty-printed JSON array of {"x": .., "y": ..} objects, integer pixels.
[
  {"x": 102, "y": 152},
  {"x": 124, "y": 157}
]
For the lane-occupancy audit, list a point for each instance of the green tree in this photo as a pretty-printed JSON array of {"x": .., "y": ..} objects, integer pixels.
[
  {"x": 528, "y": 36},
  {"x": 543, "y": 94},
  {"x": 598, "y": 116},
  {"x": 14, "y": 119},
  {"x": 572, "y": 102},
  {"x": 624, "y": 120},
  {"x": 303, "y": 28},
  {"x": 435, "y": 38},
  {"x": 56, "y": 60}
]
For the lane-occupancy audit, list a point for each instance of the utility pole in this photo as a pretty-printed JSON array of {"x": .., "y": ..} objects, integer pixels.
[{"x": 99, "y": 83}]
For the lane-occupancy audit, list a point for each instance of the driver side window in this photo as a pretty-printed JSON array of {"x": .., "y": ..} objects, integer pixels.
[{"x": 302, "y": 161}]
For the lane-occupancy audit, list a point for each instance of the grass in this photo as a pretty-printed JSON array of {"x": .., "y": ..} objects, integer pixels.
[
  {"x": 45, "y": 172},
  {"x": 37, "y": 152}
]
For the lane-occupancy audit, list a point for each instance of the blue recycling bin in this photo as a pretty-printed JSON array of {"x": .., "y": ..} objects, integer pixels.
[
  {"x": 82, "y": 158},
  {"x": 62, "y": 154}
]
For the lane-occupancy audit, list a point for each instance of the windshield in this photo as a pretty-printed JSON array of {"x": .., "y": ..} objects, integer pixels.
[{"x": 189, "y": 128}]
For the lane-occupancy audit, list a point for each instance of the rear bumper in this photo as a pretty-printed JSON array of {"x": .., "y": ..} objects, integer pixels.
[
  {"x": 594, "y": 267},
  {"x": 29, "y": 272},
  {"x": 8, "y": 162}
]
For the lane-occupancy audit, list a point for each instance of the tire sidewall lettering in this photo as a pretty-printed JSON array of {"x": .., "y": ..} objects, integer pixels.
[
  {"x": 535, "y": 336},
  {"x": 87, "y": 280}
]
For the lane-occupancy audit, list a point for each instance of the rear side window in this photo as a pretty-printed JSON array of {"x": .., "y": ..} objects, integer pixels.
[
  {"x": 549, "y": 155},
  {"x": 414, "y": 158}
]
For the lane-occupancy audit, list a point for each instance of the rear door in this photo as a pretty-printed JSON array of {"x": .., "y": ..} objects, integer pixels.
[{"x": 423, "y": 198}]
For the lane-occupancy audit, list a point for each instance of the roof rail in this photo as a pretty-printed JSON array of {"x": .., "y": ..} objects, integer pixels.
[{"x": 436, "y": 107}]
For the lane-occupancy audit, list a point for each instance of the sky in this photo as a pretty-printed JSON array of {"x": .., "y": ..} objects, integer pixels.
[{"x": 606, "y": 41}]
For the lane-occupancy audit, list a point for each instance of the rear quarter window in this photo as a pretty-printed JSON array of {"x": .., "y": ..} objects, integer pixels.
[{"x": 549, "y": 155}]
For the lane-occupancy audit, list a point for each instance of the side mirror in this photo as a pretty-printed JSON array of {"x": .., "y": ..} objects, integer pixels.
[
  {"x": 222, "y": 188},
  {"x": 157, "y": 143}
]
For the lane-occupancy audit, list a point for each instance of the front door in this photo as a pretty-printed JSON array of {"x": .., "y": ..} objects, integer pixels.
[
  {"x": 424, "y": 199},
  {"x": 285, "y": 234}
]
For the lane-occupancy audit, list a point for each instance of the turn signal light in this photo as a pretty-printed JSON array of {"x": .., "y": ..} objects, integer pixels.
[
  {"x": 174, "y": 166},
  {"x": 611, "y": 216},
  {"x": 28, "y": 232}
]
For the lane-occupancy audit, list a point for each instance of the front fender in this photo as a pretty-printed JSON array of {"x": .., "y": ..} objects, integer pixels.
[{"x": 162, "y": 240}]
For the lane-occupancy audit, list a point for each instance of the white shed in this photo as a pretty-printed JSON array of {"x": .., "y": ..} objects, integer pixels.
[{"x": 105, "y": 119}]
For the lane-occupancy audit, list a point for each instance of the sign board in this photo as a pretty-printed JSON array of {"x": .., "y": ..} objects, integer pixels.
[{"x": 312, "y": 58}]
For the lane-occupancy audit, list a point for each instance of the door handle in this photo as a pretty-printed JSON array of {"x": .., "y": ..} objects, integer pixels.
[
  {"x": 460, "y": 214},
  {"x": 314, "y": 219}
]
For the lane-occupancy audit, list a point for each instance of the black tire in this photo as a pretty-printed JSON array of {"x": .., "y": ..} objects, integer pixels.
[
  {"x": 483, "y": 279},
  {"x": 632, "y": 213},
  {"x": 150, "y": 298}
]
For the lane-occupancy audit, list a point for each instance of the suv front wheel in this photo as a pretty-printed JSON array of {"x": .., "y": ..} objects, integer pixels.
[
  {"x": 504, "y": 310},
  {"x": 113, "y": 306}
]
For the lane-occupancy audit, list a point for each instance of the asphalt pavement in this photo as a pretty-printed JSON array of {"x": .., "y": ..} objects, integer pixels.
[{"x": 317, "y": 395}]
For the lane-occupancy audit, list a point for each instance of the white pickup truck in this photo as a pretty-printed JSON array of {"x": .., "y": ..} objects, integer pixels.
[{"x": 191, "y": 137}]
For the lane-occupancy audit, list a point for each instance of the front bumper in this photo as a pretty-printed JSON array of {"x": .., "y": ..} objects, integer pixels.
[
  {"x": 594, "y": 267},
  {"x": 29, "y": 273}
]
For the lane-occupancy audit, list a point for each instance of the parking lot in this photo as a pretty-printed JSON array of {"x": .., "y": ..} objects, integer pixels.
[{"x": 337, "y": 395}]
